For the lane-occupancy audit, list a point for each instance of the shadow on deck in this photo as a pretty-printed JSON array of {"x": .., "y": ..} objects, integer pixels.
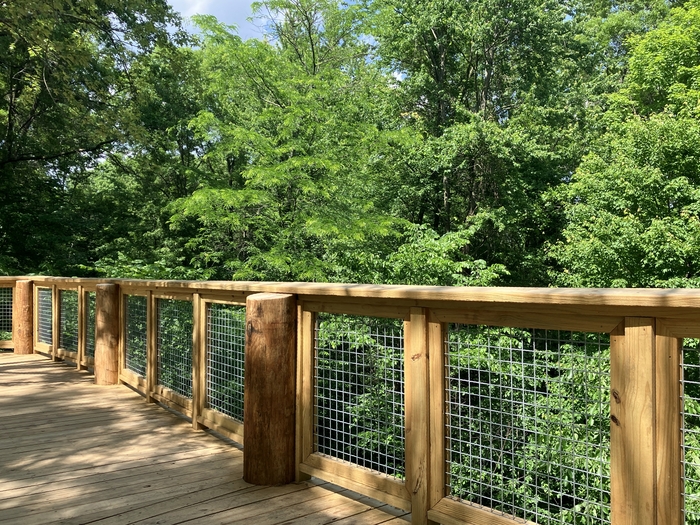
[{"x": 74, "y": 452}]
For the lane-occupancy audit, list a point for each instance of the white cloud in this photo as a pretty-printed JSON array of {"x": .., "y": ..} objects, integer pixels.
[{"x": 232, "y": 12}]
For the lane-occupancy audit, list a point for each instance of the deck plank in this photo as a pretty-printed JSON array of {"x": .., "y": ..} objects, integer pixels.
[{"x": 76, "y": 453}]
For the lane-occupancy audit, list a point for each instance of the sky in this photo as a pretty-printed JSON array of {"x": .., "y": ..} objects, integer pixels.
[{"x": 232, "y": 12}]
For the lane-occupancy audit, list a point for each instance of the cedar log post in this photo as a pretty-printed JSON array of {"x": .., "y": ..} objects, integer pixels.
[
  {"x": 23, "y": 317},
  {"x": 270, "y": 389},
  {"x": 107, "y": 334}
]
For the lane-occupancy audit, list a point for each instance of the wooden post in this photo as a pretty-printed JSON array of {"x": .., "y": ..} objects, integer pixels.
[
  {"x": 417, "y": 399},
  {"x": 436, "y": 364},
  {"x": 632, "y": 423},
  {"x": 23, "y": 317},
  {"x": 669, "y": 482},
  {"x": 55, "y": 322},
  {"x": 305, "y": 420},
  {"x": 82, "y": 328},
  {"x": 151, "y": 347},
  {"x": 270, "y": 389},
  {"x": 107, "y": 334},
  {"x": 199, "y": 362}
]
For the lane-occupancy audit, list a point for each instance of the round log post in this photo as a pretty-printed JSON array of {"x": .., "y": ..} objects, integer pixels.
[
  {"x": 23, "y": 317},
  {"x": 107, "y": 334},
  {"x": 270, "y": 389}
]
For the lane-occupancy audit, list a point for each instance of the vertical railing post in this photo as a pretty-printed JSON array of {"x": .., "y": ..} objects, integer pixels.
[
  {"x": 23, "y": 317},
  {"x": 632, "y": 428},
  {"x": 107, "y": 334},
  {"x": 306, "y": 322},
  {"x": 417, "y": 401},
  {"x": 198, "y": 360},
  {"x": 437, "y": 332},
  {"x": 669, "y": 482},
  {"x": 270, "y": 389},
  {"x": 151, "y": 347},
  {"x": 82, "y": 328},
  {"x": 55, "y": 322}
]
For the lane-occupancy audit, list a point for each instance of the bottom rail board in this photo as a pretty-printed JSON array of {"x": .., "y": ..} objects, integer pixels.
[
  {"x": 359, "y": 480},
  {"x": 452, "y": 512},
  {"x": 223, "y": 424}
]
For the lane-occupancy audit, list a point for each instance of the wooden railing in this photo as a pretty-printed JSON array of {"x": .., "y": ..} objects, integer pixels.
[{"x": 517, "y": 404}]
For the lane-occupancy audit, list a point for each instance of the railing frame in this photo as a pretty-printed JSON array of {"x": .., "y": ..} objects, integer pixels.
[{"x": 647, "y": 328}]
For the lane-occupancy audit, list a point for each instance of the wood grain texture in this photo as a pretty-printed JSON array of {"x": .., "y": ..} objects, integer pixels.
[
  {"x": 133, "y": 462},
  {"x": 55, "y": 321},
  {"x": 528, "y": 319},
  {"x": 668, "y": 424},
  {"x": 270, "y": 389},
  {"x": 82, "y": 322},
  {"x": 584, "y": 297},
  {"x": 23, "y": 317},
  {"x": 451, "y": 512},
  {"x": 632, "y": 429},
  {"x": 152, "y": 349},
  {"x": 436, "y": 360},
  {"x": 362, "y": 481},
  {"x": 223, "y": 424},
  {"x": 304, "y": 393},
  {"x": 417, "y": 409},
  {"x": 107, "y": 323},
  {"x": 341, "y": 469},
  {"x": 333, "y": 306},
  {"x": 198, "y": 360}
]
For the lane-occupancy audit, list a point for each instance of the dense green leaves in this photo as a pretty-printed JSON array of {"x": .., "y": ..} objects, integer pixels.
[{"x": 441, "y": 142}]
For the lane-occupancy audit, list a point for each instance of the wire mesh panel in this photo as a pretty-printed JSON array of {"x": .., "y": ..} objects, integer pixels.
[
  {"x": 68, "y": 335},
  {"x": 690, "y": 374},
  {"x": 45, "y": 307},
  {"x": 225, "y": 350},
  {"x": 175, "y": 345},
  {"x": 359, "y": 391},
  {"x": 528, "y": 429},
  {"x": 136, "y": 337},
  {"x": 90, "y": 324},
  {"x": 5, "y": 314}
]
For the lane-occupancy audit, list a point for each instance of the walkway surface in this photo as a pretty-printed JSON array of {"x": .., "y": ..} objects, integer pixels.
[{"x": 73, "y": 452}]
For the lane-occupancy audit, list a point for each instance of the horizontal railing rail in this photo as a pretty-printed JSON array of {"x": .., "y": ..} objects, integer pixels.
[{"x": 462, "y": 405}]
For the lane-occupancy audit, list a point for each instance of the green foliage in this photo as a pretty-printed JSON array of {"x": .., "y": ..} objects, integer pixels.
[
  {"x": 66, "y": 90},
  {"x": 359, "y": 391},
  {"x": 136, "y": 344},
  {"x": 175, "y": 330},
  {"x": 691, "y": 422},
  {"x": 226, "y": 359},
  {"x": 68, "y": 335},
  {"x": 632, "y": 209},
  {"x": 529, "y": 422},
  {"x": 5, "y": 314}
]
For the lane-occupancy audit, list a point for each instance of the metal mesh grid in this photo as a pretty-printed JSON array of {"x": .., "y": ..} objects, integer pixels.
[
  {"x": 68, "y": 335},
  {"x": 225, "y": 350},
  {"x": 136, "y": 333},
  {"x": 359, "y": 391},
  {"x": 90, "y": 325},
  {"x": 175, "y": 345},
  {"x": 690, "y": 383},
  {"x": 528, "y": 429},
  {"x": 5, "y": 314},
  {"x": 45, "y": 306}
]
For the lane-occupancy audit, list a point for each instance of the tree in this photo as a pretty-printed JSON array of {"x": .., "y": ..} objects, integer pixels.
[
  {"x": 65, "y": 82},
  {"x": 632, "y": 206}
]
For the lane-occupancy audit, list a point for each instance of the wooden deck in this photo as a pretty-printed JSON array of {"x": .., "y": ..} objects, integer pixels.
[{"x": 73, "y": 452}]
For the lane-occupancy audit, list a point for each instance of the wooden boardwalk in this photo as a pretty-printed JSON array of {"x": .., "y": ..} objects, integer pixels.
[{"x": 73, "y": 452}]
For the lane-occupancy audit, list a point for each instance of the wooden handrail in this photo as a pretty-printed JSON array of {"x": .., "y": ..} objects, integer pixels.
[{"x": 647, "y": 327}]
